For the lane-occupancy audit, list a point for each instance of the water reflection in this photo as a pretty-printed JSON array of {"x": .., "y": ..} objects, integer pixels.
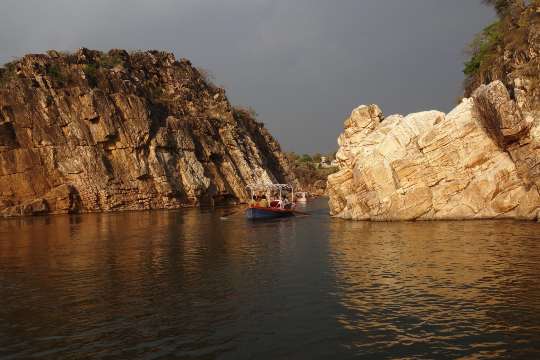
[
  {"x": 189, "y": 284},
  {"x": 455, "y": 288},
  {"x": 183, "y": 284}
]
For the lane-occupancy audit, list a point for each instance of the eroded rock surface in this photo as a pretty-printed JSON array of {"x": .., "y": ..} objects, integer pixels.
[
  {"x": 480, "y": 161},
  {"x": 117, "y": 131}
]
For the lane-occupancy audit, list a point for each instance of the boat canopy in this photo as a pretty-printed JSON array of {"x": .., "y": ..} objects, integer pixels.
[
  {"x": 265, "y": 187},
  {"x": 271, "y": 188}
]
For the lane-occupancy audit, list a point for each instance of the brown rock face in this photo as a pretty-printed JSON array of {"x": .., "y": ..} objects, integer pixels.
[
  {"x": 501, "y": 117},
  {"x": 117, "y": 131},
  {"x": 514, "y": 58}
]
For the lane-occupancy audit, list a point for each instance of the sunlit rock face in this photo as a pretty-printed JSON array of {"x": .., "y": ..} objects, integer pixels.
[
  {"x": 96, "y": 131},
  {"x": 480, "y": 161}
]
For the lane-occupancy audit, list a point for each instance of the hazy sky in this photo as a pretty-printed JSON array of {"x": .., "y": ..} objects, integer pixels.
[{"x": 302, "y": 64}]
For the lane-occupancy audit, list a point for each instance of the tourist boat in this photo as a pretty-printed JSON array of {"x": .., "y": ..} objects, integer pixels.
[
  {"x": 276, "y": 203},
  {"x": 301, "y": 197}
]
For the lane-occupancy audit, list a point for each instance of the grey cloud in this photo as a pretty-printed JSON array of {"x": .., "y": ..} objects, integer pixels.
[{"x": 302, "y": 64}]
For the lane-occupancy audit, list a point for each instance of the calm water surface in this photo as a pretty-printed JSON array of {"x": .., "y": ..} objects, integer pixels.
[{"x": 189, "y": 285}]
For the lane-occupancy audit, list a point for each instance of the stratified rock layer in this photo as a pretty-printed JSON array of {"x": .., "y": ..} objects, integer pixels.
[
  {"x": 480, "y": 161},
  {"x": 102, "y": 132}
]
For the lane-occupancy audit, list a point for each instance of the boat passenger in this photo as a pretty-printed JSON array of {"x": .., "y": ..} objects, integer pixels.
[
  {"x": 263, "y": 202},
  {"x": 286, "y": 204},
  {"x": 253, "y": 200}
]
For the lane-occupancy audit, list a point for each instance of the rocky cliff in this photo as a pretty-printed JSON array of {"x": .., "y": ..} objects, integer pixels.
[
  {"x": 480, "y": 161},
  {"x": 430, "y": 165},
  {"x": 95, "y": 131},
  {"x": 508, "y": 50}
]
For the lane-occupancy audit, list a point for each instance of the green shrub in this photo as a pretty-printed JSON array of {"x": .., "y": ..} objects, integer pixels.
[
  {"x": 4, "y": 77},
  {"x": 55, "y": 73},
  {"x": 7, "y": 73},
  {"x": 308, "y": 173},
  {"x": 482, "y": 47},
  {"x": 305, "y": 158},
  {"x": 155, "y": 91},
  {"x": 109, "y": 61},
  {"x": 91, "y": 74}
]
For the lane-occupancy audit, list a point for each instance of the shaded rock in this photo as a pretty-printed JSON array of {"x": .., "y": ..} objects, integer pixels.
[
  {"x": 499, "y": 114},
  {"x": 512, "y": 55},
  {"x": 95, "y": 131},
  {"x": 33, "y": 207}
]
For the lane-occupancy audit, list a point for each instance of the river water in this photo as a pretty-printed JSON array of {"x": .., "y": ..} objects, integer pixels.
[{"x": 190, "y": 285}]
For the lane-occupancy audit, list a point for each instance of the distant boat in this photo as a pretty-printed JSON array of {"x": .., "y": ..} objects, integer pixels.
[
  {"x": 301, "y": 197},
  {"x": 270, "y": 201}
]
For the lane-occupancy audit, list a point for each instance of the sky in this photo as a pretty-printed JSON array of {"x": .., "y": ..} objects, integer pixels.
[{"x": 303, "y": 65}]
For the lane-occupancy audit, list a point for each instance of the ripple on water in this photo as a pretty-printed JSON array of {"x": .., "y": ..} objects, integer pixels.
[{"x": 188, "y": 284}]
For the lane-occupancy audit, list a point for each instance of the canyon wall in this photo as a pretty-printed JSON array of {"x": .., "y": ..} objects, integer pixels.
[{"x": 94, "y": 131}]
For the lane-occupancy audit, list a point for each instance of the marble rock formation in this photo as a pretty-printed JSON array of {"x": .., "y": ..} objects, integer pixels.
[
  {"x": 480, "y": 161},
  {"x": 96, "y": 131}
]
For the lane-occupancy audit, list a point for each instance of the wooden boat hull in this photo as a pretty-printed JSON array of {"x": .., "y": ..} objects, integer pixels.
[{"x": 257, "y": 213}]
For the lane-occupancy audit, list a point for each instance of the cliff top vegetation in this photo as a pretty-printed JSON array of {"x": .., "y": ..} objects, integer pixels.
[{"x": 506, "y": 49}]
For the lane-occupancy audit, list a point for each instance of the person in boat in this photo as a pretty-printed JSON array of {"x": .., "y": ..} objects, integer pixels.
[
  {"x": 275, "y": 203},
  {"x": 286, "y": 204},
  {"x": 263, "y": 202},
  {"x": 253, "y": 200}
]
